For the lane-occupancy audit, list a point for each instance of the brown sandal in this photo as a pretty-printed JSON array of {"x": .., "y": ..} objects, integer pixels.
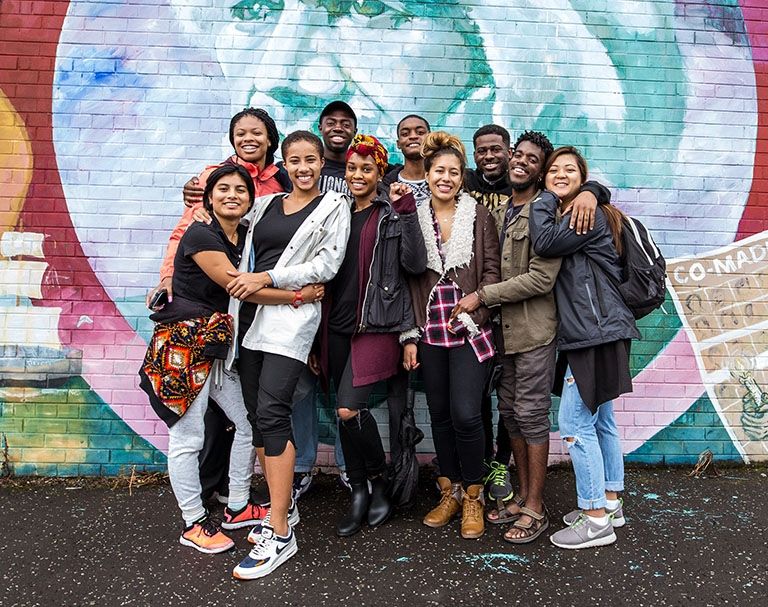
[
  {"x": 504, "y": 516},
  {"x": 533, "y": 529}
]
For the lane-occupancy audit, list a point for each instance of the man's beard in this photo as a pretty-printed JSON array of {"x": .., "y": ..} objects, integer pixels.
[{"x": 519, "y": 187}]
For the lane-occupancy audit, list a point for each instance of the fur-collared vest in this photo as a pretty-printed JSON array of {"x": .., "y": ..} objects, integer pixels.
[{"x": 471, "y": 260}]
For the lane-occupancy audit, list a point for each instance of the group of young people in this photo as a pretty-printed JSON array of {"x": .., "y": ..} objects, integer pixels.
[{"x": 498, "y": 278}]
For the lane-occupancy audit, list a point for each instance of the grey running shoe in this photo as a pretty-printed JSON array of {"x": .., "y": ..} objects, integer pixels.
[
  {"x": 583, "y": 533},
  {"x": 616, "y": 516}
]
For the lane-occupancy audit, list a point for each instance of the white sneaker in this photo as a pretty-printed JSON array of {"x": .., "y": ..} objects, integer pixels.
[
  {"x": 293, "y": 519},
  {"x": 267, "y": 555}
]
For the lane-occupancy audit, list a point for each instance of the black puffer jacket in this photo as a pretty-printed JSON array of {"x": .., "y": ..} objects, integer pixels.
[
  {"x": 590, "y": 308},
  {"x": 399, "y": 251}
]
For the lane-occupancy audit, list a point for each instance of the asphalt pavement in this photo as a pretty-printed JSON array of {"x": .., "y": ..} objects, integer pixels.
[{"x": 687, "y": 541}]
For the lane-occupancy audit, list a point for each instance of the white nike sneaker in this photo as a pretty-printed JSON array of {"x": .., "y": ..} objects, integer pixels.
[
  {"x": 267, "y": 555},
  {"x": 584, "y": 533},
  {"x": 254, "y": 536}
]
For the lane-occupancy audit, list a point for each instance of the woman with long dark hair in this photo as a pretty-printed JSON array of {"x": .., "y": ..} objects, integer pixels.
[
  {"x": 594, "y": 334},
  {"x": 183, "y": 365}
]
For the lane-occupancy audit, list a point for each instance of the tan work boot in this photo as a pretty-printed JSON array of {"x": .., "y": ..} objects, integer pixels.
[
  {"x": 449, "y": 506},
  {"x": 472, "y": 521}
]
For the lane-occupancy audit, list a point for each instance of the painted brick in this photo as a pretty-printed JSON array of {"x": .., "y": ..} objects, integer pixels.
[{"x": 121, "y": 107}]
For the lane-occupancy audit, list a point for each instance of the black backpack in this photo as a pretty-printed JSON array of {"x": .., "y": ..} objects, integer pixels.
[{"x": 643, "y": 269}]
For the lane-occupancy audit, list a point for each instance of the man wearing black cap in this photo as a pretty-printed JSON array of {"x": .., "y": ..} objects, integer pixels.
[{"x": 338, "y": 125}]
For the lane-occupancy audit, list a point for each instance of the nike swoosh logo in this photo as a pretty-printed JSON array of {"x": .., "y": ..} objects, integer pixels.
[
  {"x": 279, "y": 551},
  {"x": 592, "y": 535}
]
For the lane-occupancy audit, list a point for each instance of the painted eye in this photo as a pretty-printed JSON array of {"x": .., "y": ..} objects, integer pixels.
[{"x": 257, "y": 10}]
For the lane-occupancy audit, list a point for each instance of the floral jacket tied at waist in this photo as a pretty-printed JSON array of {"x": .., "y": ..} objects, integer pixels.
[{"x": 179, "y": 359}]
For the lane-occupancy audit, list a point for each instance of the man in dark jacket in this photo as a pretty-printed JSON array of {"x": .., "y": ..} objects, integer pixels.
[{"x": 489, "y": 183}]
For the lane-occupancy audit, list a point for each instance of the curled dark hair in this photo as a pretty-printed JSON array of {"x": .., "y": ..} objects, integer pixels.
[
  {"x": 227, "y": 169},
  {"x": 307, "y": 136},
  {"x": 440, "y": 143},
  {"x": 492, "y": 129},
  {"x": 539, "y": 139},
  {"x": 269, "y": 124}
]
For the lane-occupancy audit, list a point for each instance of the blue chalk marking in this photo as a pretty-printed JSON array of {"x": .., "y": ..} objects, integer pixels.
[
  {"x": 651, "y": 496},
  {"x": 403, "y": 559},
  {"x": 495, "y": 561}
]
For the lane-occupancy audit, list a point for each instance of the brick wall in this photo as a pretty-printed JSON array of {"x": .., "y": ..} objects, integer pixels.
[{"x": 107, "y": 107}]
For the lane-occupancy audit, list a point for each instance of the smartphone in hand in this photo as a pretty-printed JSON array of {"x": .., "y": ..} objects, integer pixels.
[{"x": 159, "y": 299}]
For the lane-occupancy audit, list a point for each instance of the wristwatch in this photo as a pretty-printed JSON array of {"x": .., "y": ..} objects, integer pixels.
[{"x": 297, "y": 299}]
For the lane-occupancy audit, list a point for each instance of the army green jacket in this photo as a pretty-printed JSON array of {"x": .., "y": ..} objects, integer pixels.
[{"x": 525, "y": 293}]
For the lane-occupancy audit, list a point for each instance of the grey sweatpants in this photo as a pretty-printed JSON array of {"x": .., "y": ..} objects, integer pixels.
[{"x": 185, "y": 440}]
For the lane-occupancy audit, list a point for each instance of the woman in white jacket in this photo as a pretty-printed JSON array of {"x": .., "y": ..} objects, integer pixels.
[{"x": 293, "y": 240}]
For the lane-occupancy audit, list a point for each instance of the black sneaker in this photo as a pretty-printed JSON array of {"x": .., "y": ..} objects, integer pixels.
[{"x": 302, "y": 481}]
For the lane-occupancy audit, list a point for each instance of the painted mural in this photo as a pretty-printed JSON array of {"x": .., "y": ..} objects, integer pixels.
[{"x": 107, "y": 107}]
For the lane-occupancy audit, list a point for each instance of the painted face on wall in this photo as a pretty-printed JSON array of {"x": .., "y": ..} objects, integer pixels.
[{"x": 306, "y": 53}]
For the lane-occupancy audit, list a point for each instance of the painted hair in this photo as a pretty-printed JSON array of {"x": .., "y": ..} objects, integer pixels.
[
  {"x": 269, "y": 124},
  {"x": 613, "y": 215},
  {"x": 368, "y": 145},
  {"x": 440, "y": 143},
  {"x": 227, "y": 169},
  {"x": 296, "y": 136},
  {"x": 492, "y": 129}
]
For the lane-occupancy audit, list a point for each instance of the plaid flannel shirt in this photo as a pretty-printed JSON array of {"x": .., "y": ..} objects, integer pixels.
[{"x": 444, "y": 298}]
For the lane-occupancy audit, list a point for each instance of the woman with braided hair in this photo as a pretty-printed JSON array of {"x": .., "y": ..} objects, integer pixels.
[
  {"x": 366, "y": 307},
  {"x": 254, "y": 138}
]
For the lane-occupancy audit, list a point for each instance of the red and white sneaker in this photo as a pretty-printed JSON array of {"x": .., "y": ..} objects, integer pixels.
[
  {"x": 248, "y": 516},
  {"x": 206, "y": 536}
]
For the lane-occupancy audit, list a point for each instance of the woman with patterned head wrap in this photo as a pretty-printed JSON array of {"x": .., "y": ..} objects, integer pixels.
[{"x": 367, "y": 306}]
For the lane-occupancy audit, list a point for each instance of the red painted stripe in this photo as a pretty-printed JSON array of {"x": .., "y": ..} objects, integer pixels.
[
  {"x": 755, "y": 217},
  {"x": 29, "y": 35}
]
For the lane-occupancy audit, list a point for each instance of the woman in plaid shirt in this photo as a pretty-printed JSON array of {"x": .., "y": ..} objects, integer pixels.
[{"x": 455, "y": 347}]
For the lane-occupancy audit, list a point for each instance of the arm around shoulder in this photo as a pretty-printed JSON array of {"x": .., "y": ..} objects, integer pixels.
[{"x": 327, "y": 256}]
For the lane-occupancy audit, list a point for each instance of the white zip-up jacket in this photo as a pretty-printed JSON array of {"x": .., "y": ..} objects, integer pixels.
[{"x": 313, "y": 255}]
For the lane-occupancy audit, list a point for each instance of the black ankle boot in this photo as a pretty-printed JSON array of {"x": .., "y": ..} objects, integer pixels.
[
  {"x": 352, "y": 521},
  {"x": 380, "y": 507}
]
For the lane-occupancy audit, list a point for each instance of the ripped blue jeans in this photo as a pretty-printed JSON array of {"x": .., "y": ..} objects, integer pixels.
[{"x": 596, "y": 454}]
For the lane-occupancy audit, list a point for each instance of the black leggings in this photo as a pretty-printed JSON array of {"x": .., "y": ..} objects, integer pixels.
[
  {"x": 360, "y": 440},
  {"x": 268, "y": 382},
  {"x": 454, "y": 381}
]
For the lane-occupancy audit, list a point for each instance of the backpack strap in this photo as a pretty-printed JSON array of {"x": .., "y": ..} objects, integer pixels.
[{"x": 638, "y": 238}]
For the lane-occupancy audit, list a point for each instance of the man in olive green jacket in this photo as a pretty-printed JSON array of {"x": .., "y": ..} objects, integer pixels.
[{"x": 529, "y": 326}]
